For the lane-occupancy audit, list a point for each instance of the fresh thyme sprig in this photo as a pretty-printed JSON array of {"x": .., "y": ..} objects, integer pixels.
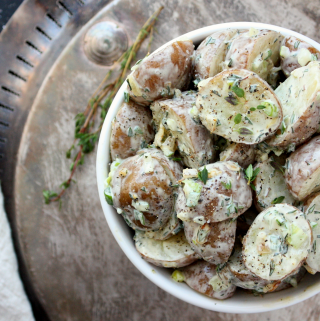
[{"x": 86, "y": 133}]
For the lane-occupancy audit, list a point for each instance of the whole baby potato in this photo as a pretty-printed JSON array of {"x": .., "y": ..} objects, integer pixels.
[
  {"x": 157, "y": 75},
  {"x": 131, "y": 130},
  {"x": 143, "y": 188},
  {"x": 303, "y": 170}
]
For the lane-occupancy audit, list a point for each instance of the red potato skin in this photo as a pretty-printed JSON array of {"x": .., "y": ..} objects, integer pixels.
[
  {"x": 198, "y": 275},
  {"x": 168, "y": 68},
  {"x": 130, "y": 115},
  {"x": 298, "y": 171},
  {"x": 220, "y": 241},
  {"x": 291, "y": 63}
]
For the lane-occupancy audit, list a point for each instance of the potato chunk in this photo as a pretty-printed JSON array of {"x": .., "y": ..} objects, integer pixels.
[
  {"x": 174, "y": 252},
  {"x": 225, "y": 194},
  {"x": 299, "y": 96},
  {"x": 277, "y": 243},
  {"x": 213, "y": 242},
  {"x": 296, "y": 53},
  {"x": 211, "y": 53},
  {"x": 206, "y": 278},
  {"x": 131, "y": 130},
  {"x": 242, "y": 154},
  {"x": 244, "y": 278},
  {"x": 239, "y": 106},
  {"x": 143, "y": 189},
  {"x": 179, "y": 128},
  {"x": 255, "y": 50},
  {"x": 303, "y": 170},
  {"x": 157, "y": 75},
  {"x": 311, "y": 208},
  {"x": 270, "y": 185}
]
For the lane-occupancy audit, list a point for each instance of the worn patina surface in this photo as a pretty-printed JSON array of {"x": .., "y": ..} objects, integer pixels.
[{"x": 75, "y": 265}]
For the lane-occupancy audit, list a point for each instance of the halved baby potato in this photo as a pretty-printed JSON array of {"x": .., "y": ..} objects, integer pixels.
[
  {"x": 143, "y": 189},
  {"x": 292, "y": 280},
  {"x": 213, "y": 242},
  {"x": 224, "y": 195},
  {"x": 156, "y": 76},
  {"x": 131, "y": 130},
  {"x": 174, "y": 252},
  {"x": 303, "y": 170},
  {"x": 243, "y": 278},
  {"x": 179, "y": 128},
  {"x": 206, "y": 278},
  {"x": 296, "y": 53},
  {"x": 299, "y": 96},
  {"x": 270, "y": 185},
  {"x": 211, "y": 53},
  {"x": 242, "y": 154},
  {"x": 311, "y": 208},
  {"x": 255, "y": 50},
  {"x": 239, "y": 106},
  {"x": 277, "y": 243}
]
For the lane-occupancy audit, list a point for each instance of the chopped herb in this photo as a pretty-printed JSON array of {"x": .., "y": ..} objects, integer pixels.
[
  {"x": 272, "y": 267},
  {"x": 296, "y": 44},
  {"x": 237, "y": 118},
  {"x": 130, "y": 132},
  {"x": 238, "y": 91},
  {"x": 143, "y": 144},
  {"x": 143, "y": 189},
  {"x": 126, "y": 97},
  {"x": 251, "y": 174},
  {"x": 253, "y": 187},
  {"x": 268, "y": 55},
  {"x": 218, "y": 122},
  {"x": 230, "y": 62},
  {"x": 220, "y": 267},
  {"x": 227, "y": 185},
  {"x": 138, "y": 130},
  {"x": 292, "y": 212},
  {"x": 210, "y": 41},
  {"x": 252, "y": 109},
  {"x": 203, "y": 175},
  {"x": 314, "y": 247},
  {"x": 216, "y": 93},
  {"x": 129, "y": 84},
  {"x": 261, "y": 204},
  {"x": 248, "y": 120},
  {"x": 175, "y": 185},
  {"x": 176, "y": 159},
  {"x": 314, "y": 57},
  {"x": 232, "y": 99},
  {"x": 261, "y": 107},
  {"x": 245, "y": 131},
  {"x": 311, "y": 209},
  {"x": 283, "y": 127},
  {"x": 278, "y": 200}
]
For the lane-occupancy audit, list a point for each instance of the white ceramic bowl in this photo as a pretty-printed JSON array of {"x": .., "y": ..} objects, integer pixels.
[{"x": 241, "y": 302}]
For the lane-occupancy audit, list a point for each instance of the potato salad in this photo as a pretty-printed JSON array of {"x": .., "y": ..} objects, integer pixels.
[{"x": 216, "y": 161}]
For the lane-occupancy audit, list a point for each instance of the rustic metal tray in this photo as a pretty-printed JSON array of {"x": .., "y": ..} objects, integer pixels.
[{"x": 70, "y": 264}]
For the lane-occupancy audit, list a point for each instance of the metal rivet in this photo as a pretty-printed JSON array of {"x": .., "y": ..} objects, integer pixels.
[{"x": 105, "y": 42}]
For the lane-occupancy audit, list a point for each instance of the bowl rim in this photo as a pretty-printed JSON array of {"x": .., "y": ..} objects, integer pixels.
[{"x": 239, "y": 303}]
